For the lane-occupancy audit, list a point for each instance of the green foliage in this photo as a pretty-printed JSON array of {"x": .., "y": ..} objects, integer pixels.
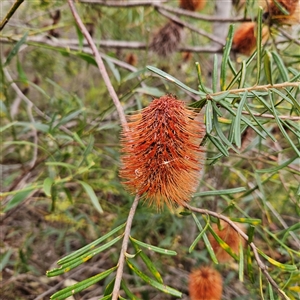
[{"x": 60, "y": 158}]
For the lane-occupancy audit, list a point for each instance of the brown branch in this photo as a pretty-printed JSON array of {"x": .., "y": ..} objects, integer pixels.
[
  {"x": 183, "y": 12},
  {"x": 10, "y": 13},
  {"x": 100, "y": 64},
  {"x": 121, "y": 262},
  {"x": 260, "y": 264}
]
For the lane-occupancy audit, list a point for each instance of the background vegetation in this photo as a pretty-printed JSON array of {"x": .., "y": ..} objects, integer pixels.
[{"x": 60, "y": 150}]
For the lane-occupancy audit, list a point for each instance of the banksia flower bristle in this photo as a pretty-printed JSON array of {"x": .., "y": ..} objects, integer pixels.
[
  {"x": 230, "y": 237},
  {"x": 205, "y": 284},
  {"x": 162, "y": 158},
  {"x": 244, "y": 38},
  {"x": 167, "y": 39},
  {"x": 193, "y": 5}
]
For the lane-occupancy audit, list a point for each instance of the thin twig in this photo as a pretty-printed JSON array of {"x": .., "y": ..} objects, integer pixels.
[
  {"x": 261, "y": 265},
  {"x": 269, "y": 116},
  {"x": 191, "y": 27},
  {"x": 100, "y": 64},
  {"x": 115, "y": 293},
  {"x": 111, "y": 3},
  {"x": 259, "y": 87},
  {"x": 287, "y": 35},
  {"x": 10, "y": 13}
]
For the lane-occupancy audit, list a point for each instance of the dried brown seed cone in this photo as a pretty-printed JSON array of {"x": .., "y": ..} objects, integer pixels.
[
  {"x": 167, "y": 39},
  {"x": 131, "y": 59},
  {"x": 161, "y": 157},
  {"x": 230, "y": 237},
  {"x": 205, "y": 284},
  {"x": 244, "y": 38},
  {"x": 193, "y": 5}
]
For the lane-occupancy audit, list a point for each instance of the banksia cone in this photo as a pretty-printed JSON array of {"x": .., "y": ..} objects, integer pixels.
[
  {"x": 162, "y": 158},
  {"x": 167, "y": 39},
  {"x": 244, "y": 39},
  {"x": 278, "y": 16},
  {"x": 230, "y": 237},
  {"x": 205, "y": 284},
  {"x": 193, "y": 5}
]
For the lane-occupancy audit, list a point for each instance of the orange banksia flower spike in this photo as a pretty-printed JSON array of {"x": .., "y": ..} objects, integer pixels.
[
  {"x": 230, "y": 237},
  {"x": 244, "y": 38},
  {"x": 162, "y": 159},
  {"x": 193, "y": 5},
  {"x": 205, "y": 284}
]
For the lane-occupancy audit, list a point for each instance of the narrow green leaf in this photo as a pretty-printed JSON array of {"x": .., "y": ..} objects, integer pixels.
[
  {"x": 268, "y": 67},
  {"x": 47, "y": 186},
  {"x": 237, "y": 123},
  {"x": 271, "y": 294},
  {"x": 277, "y": 168},
  {"x": 152, "y": 91},
  {"x": 18, "y": 198},
  {"x": 114, "y": 70},
  {"x": 259, "y": 124},
  {"x": 80, "y": 37},
  {"x": 5, "y": 259},
  {"x": 238, "y": 75},
  {"x": 173, "y": 79},
  {"x": 215, "y": 74},
  {"x": 70, "y": 117},
  {"x": 241, "y": 262},
  {"x": 260, "y": 284},
  {"x": 247, "y": 221},
  {"x": 109, "y": 288},
  {"x": 3, "y": 128},
  {"x": 164, "y": 288},
  {"x": 127, "y": 291},
  {"x": 92, "y": 195},
  {"x": 250, "y": 233},
  {"x": 226, "y": 53},
  {"x": 208, "y": 117},
  {"x": 21, "y": 73},
  {"x": 280, "y": 65},
  {"x": 220, "y": 192},
  {"x": 296, "y": 104},
  {"x": 147, "y": 262},
  {"x": 201, "y": 85},
  {"x": 208, "y": 246},
  {"x": 218, "y": 144},
  {"x": 71, "y": 290},
  {"x": 250, "y": 265},
  {"x": 68, "y": 266},
  {"x": 259, "y": 43},
  {"x": 153, "y": 248},
  {"x": 15, "y": 49},
  {"x": 90, "y": 246},
  {"x": 284, "y": 267},
  {"x": 88, "y": 149},
  {"x": 222, "y": 244},
  {"x": 279, "y": 123},
  {"x": 198, "y": 238},
  {"x": 243, "y": 74},
  {"x": 245, "y": 120},
  {"x": 221, "y": 96}
]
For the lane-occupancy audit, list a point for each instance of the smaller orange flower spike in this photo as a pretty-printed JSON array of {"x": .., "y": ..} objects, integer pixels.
[
  {"x": 244, "y": 38},
  {"x": 193, "y": 5},
  {"x": 278, "y": 16},
  {"x": 205, "y": 284},
  {"x": 230, "y": 237},
  {"x": 162, "y": 158}
]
